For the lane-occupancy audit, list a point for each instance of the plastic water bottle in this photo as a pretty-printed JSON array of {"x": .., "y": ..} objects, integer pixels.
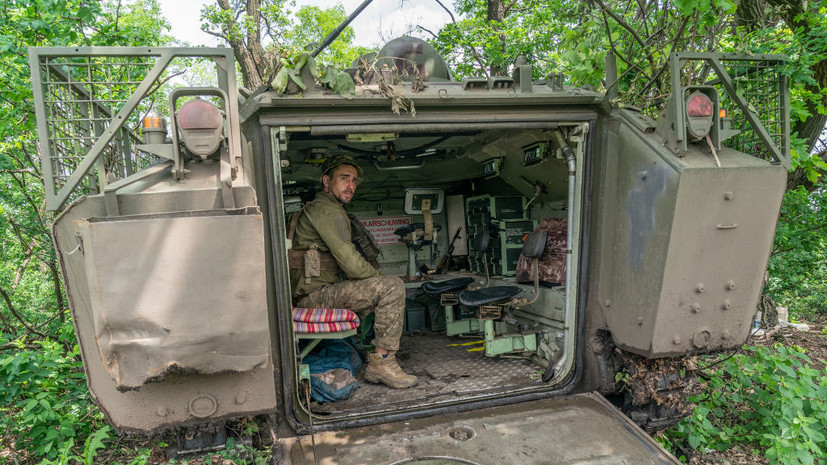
[
  {"x": 756, "y": 322},
  {"x": 756, "y": 325}
]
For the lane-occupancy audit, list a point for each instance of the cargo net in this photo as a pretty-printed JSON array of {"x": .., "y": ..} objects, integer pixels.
[
  {"x": 81, "y": 96},
  {"x": 758, "y": 85}
]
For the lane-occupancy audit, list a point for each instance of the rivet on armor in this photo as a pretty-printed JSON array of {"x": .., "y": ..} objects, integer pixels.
[
  {"x": 203, "y": 405},
  {"x": 726, "y": 305},
  {"x": 728, "y": 196},
  {"x": 700, "y": 288},
  {"x": 162, "y": 411},
  {"x": 701, "y": 339},
  {"x": 676, "y": 340},
  {"x": 608, "y": 303},
  {"x": 640, "y": 321},
  {"x": 240, "y": 399},
  {"x": 726, "y": 335},
  {"x": 696, "y": 307},
  {"x": 730, "y": 285},
  {"x": 644, "y": 175}
]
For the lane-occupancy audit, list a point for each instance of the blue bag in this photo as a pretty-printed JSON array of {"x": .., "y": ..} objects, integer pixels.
[{"x": 333, "y": 367}]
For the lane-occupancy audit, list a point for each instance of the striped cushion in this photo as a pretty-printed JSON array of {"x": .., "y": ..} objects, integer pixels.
[{"x": 323, "y": 320}]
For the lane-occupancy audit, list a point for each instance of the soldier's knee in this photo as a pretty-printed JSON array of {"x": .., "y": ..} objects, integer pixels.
[{"x": 392, "y": 286}]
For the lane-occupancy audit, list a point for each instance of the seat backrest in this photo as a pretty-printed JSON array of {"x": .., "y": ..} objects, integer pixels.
[
  {"x": 535, "y": 243},
  {"x": 482, "y": 240}
]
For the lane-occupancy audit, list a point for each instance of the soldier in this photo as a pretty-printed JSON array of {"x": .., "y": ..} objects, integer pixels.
[{"x": 343, "y": 278}]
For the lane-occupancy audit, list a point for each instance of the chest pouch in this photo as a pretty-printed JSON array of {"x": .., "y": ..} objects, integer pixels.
[{"x": 312, "y": 263}]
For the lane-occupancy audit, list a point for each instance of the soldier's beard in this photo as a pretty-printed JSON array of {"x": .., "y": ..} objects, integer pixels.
[{"x": 344, "y": 197}]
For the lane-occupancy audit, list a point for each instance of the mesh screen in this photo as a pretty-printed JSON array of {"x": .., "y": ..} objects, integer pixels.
[
  {"x": 81, "y": 95},
  {"x": 758, "y": 83}
]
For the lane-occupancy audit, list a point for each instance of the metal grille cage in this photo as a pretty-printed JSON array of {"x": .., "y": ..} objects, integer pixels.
[
  {"x": 89, "y": 104},
  {"x": 753, "y": 90},
  {"x": 759, "y": 84},
  {"x": 81, "y": 95}
]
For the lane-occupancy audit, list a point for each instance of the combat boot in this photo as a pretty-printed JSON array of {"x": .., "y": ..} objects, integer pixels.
[{"x": 385, "y": 370}]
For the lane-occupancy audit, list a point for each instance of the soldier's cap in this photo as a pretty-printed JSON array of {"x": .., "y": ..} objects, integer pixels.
[{"x": 333, "y": 162}]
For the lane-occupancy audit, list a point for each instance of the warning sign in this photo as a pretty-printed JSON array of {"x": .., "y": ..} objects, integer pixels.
[{"x": 382, "y": 227}]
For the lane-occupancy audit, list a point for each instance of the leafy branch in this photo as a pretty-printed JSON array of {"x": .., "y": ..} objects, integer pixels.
[{"x": 334, "y": 79}]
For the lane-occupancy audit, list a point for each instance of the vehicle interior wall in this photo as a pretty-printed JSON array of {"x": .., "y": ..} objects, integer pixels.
[{"x": 460, "y": 165}]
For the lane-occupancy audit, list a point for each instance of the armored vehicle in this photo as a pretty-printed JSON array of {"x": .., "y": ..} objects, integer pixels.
[{"x": 174, "y": 235}]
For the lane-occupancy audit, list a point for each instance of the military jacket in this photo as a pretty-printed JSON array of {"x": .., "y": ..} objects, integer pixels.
[{"x": 324, "y": 222}]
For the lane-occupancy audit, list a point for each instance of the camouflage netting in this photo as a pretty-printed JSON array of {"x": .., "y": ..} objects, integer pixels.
[{"x": 552, "y": 265}]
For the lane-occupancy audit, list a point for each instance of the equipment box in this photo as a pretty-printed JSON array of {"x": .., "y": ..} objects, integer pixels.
[{"x": 414, "y": 316}]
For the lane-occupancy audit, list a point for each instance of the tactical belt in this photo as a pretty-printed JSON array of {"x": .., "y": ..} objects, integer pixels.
[{"x": 295, "y": 259}]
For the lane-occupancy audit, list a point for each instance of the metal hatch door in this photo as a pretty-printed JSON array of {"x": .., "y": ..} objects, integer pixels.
[{"x": 582, "y": 429}]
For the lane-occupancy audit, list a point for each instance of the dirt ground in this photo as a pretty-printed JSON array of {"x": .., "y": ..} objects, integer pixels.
[{"x": 815, "y": 343}]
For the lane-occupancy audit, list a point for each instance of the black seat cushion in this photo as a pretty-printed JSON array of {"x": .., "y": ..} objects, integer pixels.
[
  {"x": 489, "y": 295},
  {"x": 450, "y": 285}
]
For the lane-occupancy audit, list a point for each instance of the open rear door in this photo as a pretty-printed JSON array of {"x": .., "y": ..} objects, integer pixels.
[{"x": 577, "y": 429}]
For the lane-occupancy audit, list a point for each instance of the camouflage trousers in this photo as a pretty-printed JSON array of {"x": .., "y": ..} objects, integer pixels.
[{"x": 384, "y": 295}]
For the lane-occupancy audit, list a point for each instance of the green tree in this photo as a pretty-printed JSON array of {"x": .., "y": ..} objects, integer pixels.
[
  {"x": 573, "y": 37},
  {"x": 253, "y": 29},
  {"x": 262, "y": 33},
  {"x": 798, "y": 264},
  {"x": 311, "y": 26},
  {"x": 489, "y": 35}
]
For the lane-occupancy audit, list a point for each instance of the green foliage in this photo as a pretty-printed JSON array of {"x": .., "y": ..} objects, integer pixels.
[
  {"x": 335, "y": 79},
  {"x": 29, "y": 267},
  {"x": 310, "y": 27},
  {"x": 242, "y": 454},
  {"x": 622, "y": 376},
  {"x": 798, "y": 264},
  {"x": 93, "y": 444},
  {"x": 804, "y": 42},
  {"x": 46, "y": 405},
  {"x": 474, "y": 45},
  {"x": 46, "y": 412},
  {"x": 768, "y": 398},
  {"x": 688, "y": 7}
]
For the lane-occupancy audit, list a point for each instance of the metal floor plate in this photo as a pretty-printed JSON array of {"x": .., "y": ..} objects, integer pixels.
[
  {"x": 582, "y": 429},
  {"x": 447, "y": 367}
]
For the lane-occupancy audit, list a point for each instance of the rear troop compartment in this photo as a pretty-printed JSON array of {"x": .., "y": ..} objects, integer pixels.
[{"x": 498, "y": 170}]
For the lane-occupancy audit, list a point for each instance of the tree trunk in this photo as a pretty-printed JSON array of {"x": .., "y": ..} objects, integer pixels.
[
  {"x": 496, "y": 13},
  {"x": 247, "y": 48},
  {"x": 61, "y": 304},
  {"x": 751, "y": 14}
]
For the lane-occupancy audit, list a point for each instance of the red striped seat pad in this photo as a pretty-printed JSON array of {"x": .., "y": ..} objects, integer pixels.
[{"x": 323, "y": 320}]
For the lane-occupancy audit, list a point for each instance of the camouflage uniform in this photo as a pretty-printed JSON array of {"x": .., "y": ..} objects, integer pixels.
[{"x": 358, "y": 285}]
